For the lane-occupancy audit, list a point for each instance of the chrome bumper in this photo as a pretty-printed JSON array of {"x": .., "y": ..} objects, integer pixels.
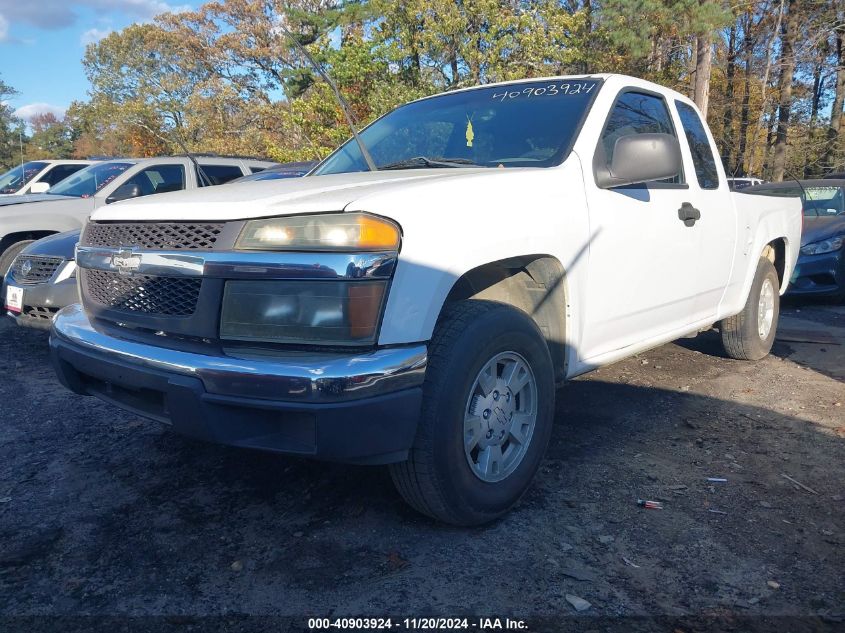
[{"x": 291, "y": 376}]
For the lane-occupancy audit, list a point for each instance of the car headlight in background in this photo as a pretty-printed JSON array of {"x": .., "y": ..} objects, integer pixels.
[
  {"x": 302, "y": 312},
  {"x": 824, "y": 246},
  {"x": 328, "y": 232},
  {"x": 68, "y": 271}
]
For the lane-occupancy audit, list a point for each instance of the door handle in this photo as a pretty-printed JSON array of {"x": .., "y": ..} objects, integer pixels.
[{"x": 688, "y": 214}]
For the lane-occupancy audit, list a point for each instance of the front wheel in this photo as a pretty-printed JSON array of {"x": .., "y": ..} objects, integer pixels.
[
  {"x": 488, "y": 407},
  {"x": 750, "y": 334}
]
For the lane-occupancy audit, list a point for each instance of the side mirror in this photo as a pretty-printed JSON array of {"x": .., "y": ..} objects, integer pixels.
[
  {"x": 640, "y": 158},
  {"x": 39, "y": 187},
  {"x": 124, "y": 192}
]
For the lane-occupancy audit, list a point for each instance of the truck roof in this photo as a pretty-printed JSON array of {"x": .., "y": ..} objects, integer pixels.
[{"x": 607, "y": 77}]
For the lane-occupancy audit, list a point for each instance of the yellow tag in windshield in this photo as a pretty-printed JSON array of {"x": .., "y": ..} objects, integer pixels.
[{"x": 470, "y": 132}]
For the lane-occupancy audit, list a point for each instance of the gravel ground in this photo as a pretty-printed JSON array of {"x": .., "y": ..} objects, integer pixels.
[{"x": 103, "y": 513}]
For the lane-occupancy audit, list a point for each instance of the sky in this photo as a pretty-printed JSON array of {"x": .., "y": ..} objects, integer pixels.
[{"x": 42, "y": 43}]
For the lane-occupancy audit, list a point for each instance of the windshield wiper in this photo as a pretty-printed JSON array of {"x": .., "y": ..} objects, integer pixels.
[{"x": 424, "y": 161}]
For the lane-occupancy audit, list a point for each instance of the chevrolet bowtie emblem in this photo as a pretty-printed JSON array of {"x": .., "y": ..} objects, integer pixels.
[{"x": 125, "y": 261}]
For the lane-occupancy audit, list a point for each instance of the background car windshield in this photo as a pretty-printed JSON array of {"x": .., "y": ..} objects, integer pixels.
[
  {"x": 528, "y": 124},
  {"x": 15, "y": 179},
  {"x": 87, "y": 182},
  {"x": 817, "y": 201}
]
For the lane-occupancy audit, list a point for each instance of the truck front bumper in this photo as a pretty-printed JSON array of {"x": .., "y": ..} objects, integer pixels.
[{"x": 356, "y": 408}]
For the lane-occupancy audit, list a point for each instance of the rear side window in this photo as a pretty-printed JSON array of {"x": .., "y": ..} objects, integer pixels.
[
  {"x": 59, "y": 173},
  {"x": 219, "y": 174},
  {"x": 637, "y": 113},
  {"x": 699, "y": 145},
  {"x": 159, "y": 179}
]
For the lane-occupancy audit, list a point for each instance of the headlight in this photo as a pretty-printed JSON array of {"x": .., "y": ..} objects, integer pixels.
[
  {"x": 302, "y": 312},
  {"x": 336, "y": 231},
  {"x": 825, "y": 246}
]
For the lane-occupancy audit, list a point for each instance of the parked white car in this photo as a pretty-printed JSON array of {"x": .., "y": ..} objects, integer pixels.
[
  {"x": 37, "y": 176},
  {"x": 66, "y": 206},
  {"x": 421, "y": 315}
]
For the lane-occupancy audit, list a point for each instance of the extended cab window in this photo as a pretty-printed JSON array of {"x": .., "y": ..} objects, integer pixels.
[
  {"x": 219, "y": 174},
  {"x": 637, "y": 113},
  {"x": 159, "y": 179},
  {"x": 699, "y": 145}
]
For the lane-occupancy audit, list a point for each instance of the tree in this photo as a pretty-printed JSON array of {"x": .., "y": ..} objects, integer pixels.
[
  {"x": 51, "y": 137},
  {"x": 225, "y": 77},
  {"x": 835, "y": 148},
  {"x": 789, "y": 34},
  {"x": 11, "y": 129}
]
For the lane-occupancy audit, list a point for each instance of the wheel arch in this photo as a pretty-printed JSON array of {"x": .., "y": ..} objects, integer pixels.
[
  {"x": 535, "y": 284},
  {"x": 775, "y": 252}
]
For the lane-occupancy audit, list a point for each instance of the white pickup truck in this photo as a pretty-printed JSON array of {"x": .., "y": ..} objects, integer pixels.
[{"x": 423, "y": 314}]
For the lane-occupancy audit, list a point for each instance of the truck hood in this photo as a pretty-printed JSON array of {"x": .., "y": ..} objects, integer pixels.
[
  {"x": 32, "y": 197},
  {"x": 312, "y": 194},
  {"x": 818, "y": 229}
]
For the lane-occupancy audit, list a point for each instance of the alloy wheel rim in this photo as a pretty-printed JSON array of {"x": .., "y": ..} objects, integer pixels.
[
  {"x": 500, "y": 417},
  {"x": 766, "y": 309}
]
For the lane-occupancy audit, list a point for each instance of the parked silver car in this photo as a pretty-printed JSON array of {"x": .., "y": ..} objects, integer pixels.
[
  {"x": 66, "y": 205},
  {"x": 42, "y": 278}
]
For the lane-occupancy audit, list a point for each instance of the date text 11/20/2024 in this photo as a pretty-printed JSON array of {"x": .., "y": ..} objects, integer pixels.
[{"x": 418, "y": 624}]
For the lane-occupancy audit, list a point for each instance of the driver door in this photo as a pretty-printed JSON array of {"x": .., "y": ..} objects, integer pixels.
[{"x": 643, "y": 259}]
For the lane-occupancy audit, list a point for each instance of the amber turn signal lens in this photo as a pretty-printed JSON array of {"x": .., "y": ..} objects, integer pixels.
[
  {"x": 364, "y": 309},
  {"x": 376, "y": 233}
]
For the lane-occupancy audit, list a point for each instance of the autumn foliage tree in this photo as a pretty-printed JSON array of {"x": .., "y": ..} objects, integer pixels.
[{"x": 225, "y": 78}]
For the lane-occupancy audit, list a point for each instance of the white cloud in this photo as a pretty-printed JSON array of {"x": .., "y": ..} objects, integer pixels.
[
  {"x": 94, "y": 35},
  {"x": 4, "y": 29},
  {"x": 57, "y": 14},
  {"x": 31, "y": 110}
]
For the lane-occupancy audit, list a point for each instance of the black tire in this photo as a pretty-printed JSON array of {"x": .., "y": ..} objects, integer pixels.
[
  {"x": 437, "y": 479},
  {"x": 9, "y": 255},
  {"x": 740, "y": 336}
]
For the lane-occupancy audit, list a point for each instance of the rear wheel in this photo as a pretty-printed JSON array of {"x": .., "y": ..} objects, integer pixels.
[
  {"x": 9, "y": 255},
  {"x": 750, "y": 334},
  {"x": 487, "y": 415}
]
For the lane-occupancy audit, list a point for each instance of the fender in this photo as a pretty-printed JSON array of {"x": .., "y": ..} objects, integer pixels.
[
  {"x": 455, "y": 227},
  {"x": 762, "y": 221}
]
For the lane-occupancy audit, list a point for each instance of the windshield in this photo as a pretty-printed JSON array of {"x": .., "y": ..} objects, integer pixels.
[
  {"x": 818, "y": 201},
  {"x": 15, "y": 179},
  {"x": 530, "y": 124},
  {"x": 86, "y": 182}
]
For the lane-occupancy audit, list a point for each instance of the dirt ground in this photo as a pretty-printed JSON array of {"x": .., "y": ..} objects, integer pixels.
[{"x": 102, "y": 513}]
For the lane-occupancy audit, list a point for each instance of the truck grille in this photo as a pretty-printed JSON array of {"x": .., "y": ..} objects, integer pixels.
[
  {"x": 144, "y": 294},
  {"x": 153, "y": 235},
  {"x": 33, "y": 269}
]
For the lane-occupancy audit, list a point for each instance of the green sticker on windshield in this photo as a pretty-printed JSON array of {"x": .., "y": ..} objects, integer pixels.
[{"x": 470, "y": 133}]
